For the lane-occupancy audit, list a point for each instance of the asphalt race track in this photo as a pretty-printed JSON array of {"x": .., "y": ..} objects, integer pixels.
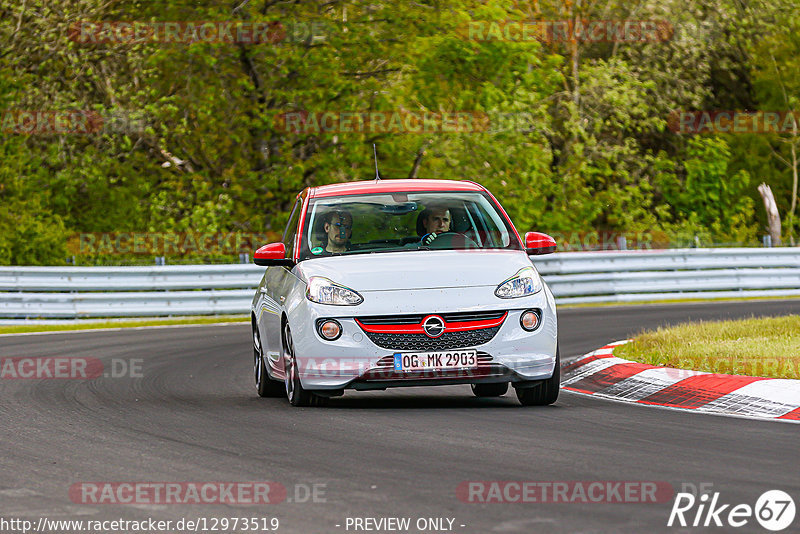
[{"x": 194, "y": 416}]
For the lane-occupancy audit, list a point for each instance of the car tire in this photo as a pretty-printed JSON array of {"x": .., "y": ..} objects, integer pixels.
[
  {"x": 265, "y": 385},
  {"x": 490, "y": 390},
  {"x": 297, "y": 395},
  {"x": 546, "y": 392}
]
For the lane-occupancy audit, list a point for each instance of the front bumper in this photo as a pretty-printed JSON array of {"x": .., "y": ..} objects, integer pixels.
[{"x": 355, "y": 362}]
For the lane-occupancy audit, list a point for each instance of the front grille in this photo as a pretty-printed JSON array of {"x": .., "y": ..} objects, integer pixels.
[
  {"x": 472, "y": 316},
  {"x": 392, "y": 319},
  {"x": 423, "y": 343},
  {"x": 455, "y": 317}
]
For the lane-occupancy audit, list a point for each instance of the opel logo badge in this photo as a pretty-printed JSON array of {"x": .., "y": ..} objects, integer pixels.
[{"x": 433, "y": 326}]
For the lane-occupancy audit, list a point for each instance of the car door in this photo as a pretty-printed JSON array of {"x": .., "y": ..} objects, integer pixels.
[{"x": 274, "y": 293}]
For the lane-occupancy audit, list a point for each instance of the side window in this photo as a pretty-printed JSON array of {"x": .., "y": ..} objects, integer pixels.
[
  {"x": 291, "y": 228},
  {"x": 484, "y": 235}
]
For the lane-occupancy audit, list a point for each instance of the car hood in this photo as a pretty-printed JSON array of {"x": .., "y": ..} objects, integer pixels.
[{"x": 417, "y": 269}]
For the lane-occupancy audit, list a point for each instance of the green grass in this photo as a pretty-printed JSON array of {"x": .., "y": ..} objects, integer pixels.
[
  {"x": 119, "y": 323},
  {"x": 768, "y": 347}
]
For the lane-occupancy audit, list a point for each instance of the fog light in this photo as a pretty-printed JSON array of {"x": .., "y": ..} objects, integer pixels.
[
  {"x": 530, "y": 320},
  {"x": 329, "y": 329}
]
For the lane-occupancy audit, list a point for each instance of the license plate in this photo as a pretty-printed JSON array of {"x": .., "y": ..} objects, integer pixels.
[{"x": 447, "y": 359}]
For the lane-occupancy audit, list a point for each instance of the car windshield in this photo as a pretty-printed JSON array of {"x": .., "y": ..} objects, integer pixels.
[{"x": 393, "y": 222}]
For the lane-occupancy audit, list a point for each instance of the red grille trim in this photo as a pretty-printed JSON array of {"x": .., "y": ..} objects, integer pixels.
[{"x": 455, "y": 326}]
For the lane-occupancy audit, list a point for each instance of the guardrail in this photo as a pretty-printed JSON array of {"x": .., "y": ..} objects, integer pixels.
[
  {"x": 630, "y": 276},
  {"x": 74, "y": 292},
  {"x": 574, "y": 277}
]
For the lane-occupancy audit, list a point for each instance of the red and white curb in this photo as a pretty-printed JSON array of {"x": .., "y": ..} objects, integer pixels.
[{"x": 600, "y": 374}]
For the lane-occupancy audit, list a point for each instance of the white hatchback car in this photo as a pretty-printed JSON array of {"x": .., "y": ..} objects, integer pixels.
[{"x": 392, "y": 283}]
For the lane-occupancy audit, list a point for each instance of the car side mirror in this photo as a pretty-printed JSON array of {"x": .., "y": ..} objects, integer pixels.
[
  {"x": 537, "y": 243},
  {"x": 272, "y": 254}
]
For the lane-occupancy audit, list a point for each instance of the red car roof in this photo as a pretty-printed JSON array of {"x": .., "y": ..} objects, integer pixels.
[{"x": 392, "y": 186}]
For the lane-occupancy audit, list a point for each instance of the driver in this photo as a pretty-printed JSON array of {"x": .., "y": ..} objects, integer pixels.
[
  {"x": 338, "y": 229},
  {"x": 435, "y": 220}
]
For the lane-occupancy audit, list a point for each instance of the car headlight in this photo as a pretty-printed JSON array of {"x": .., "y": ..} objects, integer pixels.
[
  {"x": 324, "y": 291},
  {"x": 525, "y": 282}
]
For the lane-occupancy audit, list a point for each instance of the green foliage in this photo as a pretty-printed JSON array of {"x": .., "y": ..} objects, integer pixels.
[
  {"x": 191, "y": 139},
  {"x": 30, "y": 234},
  {"x": 709, "y": 199}
]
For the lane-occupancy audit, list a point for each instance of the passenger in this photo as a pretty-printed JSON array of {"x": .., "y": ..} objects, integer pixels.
[{"x": 338, "y": 229}]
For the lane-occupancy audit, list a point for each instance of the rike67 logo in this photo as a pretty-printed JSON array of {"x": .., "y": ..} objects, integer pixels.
[{"x": 774, "y": 510}]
